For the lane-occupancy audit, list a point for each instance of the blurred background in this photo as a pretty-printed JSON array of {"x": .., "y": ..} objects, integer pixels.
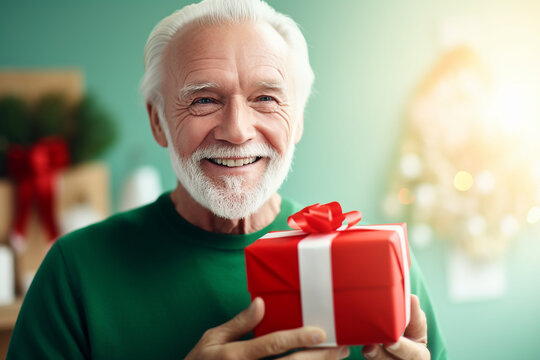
[{"x": 422, "y": 111}]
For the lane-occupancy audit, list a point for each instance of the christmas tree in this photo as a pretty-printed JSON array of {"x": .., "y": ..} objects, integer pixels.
[{"x": 461, "y": 175}]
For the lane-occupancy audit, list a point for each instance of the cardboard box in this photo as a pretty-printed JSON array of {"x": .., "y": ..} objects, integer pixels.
[{"x": 86, "y": 184}]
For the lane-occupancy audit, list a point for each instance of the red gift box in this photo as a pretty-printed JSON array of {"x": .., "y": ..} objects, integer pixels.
[{"x": 352, "y": 281}]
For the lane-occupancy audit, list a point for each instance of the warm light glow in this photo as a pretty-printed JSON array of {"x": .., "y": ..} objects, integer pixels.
[
  {"x": 485, "y": 182},
  {"x": 515, "y": 104},
  {"x": 425, "y": 195},
  {"x": 463, "y": 181},
  {"x": 509, "y": 225},
  {"x": 535, "y": 170},
  {"x": 470, "y": 149},
  {"x": 405, "y": 196},
  {"x": 534, "y": 215},
  {"x": 411, "y": 166},
  {"x": 476, "y": 225}
]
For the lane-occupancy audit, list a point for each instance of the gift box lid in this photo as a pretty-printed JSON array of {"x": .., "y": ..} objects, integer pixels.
[{"x": 359, "y": 254}]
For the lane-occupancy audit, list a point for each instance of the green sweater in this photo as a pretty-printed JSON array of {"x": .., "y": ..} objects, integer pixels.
[{"x": 145, "y": 284}]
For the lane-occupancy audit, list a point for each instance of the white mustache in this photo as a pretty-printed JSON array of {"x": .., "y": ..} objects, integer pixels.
[{"x": 241, "y": 151}]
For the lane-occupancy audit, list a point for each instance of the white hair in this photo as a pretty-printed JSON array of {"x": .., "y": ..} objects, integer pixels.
[{"x": 217, "y": 12}]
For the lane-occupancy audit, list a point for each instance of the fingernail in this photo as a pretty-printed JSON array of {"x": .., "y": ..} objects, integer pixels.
[
  {"x": 252, "y": 305},
  {"x": 344, "y": 352},
  {"x": 373, "y": 352},
  {"x": 393, "y": 346},
  {"x": 317, "y": 337}
]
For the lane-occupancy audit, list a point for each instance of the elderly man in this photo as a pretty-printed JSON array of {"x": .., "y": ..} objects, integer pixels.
[{"x": 226, "y": 84}]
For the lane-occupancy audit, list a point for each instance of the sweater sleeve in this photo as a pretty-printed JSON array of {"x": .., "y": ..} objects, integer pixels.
[
  {"x": 51, "y": 322},
  {"x": 436, "y": 344}
]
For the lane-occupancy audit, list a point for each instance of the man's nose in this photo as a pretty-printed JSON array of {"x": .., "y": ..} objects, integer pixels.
[{"x": 236, "y": 126}]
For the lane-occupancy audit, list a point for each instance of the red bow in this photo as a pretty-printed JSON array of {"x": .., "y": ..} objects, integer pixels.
[
  {"x": 319, "y": 218},
  {"x": 33, "y": 170}
]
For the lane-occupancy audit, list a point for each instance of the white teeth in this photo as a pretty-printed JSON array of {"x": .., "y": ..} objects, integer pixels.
[{"x": 234, "y": 163}]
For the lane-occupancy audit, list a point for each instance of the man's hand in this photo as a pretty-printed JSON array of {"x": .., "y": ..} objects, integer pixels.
[
  {"x": 221, "y": 342},
  {"x": 413, "y": 343}
]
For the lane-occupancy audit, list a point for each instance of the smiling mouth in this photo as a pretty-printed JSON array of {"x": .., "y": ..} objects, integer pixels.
[{"x": 235, "y": 162}]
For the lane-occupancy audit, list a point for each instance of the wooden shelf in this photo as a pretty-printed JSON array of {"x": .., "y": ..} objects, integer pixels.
[{"x": 9, "y": 313}]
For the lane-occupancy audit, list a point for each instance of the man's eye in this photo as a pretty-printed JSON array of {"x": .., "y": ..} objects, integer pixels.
[
  {"x": 203, "y": 101},
  {"x": 266, "y": 98}
]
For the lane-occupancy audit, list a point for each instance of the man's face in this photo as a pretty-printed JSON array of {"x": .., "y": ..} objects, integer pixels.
[{"x": 230, "y": 110}]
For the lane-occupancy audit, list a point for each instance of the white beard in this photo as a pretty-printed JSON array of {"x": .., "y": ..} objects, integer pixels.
[{"x": 231, "y": 198}]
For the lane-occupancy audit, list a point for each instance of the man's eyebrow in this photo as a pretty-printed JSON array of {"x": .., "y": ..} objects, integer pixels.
[
  {"x": 277, "y": 86},
  {"x": 191, "y": 89},
  {"x": 271, "y": 85}
]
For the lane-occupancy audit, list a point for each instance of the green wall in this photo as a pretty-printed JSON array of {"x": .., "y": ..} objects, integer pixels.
[{"x": 367, "y": 57}]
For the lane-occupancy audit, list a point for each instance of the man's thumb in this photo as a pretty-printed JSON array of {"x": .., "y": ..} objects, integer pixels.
[
  {"x": 242, "y": 323},
  {"x": 417, "y": 328}
]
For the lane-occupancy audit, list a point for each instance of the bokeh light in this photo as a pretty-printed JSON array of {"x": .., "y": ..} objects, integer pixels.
[
  {"x": 509, "y": 225},
  {"x": 485, "y": 182},
  {"x": 470, "y": 151},
  {"x": 476, "y": 225},
  {"x": 463, "y": 180},
  {"x": 425, "y": 195},
  {"x": 411, "y": 166},
  {"x": 405, "y": 196},
  {"x": 534, "y": 215}
]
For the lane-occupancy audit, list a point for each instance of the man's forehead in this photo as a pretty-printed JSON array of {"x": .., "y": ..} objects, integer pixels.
[
  {"x": 199, "y": 51},
  {"x": 222, "y": 73}
]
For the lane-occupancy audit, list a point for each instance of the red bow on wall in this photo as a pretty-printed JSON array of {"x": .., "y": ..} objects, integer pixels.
[
  {"x": 319, "y": 218},
  {"x": 34, "y": 171}
]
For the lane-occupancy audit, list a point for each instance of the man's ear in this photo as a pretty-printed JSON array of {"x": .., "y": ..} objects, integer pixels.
[
  {"x": 299, "y": 130},
  {"x": 155, "y": 124}
]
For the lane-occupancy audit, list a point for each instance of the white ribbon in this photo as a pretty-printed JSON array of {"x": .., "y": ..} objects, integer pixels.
[{"x": 316, "y": 287}]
